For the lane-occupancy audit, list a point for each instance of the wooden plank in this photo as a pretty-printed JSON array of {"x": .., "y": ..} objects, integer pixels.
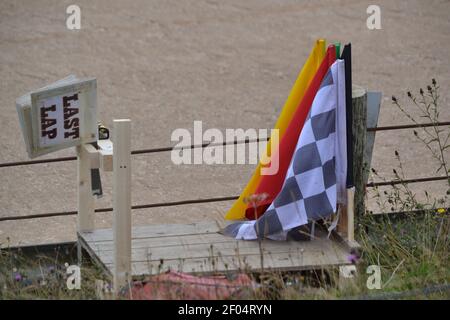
[
  {"x": 106, "y": 154},
  {"x": 210, "y": 239},
  {"x": 156, "y": 231},
  {"x": 122, "y": 203},
  {"x": 93, "y": 154},
  {"x": 180, "y": 248},
  {"x": 189, "y": 239},
  {"x": 85, "y": 217},
  {"x": 152, "y": 242},
  {"x": 205, "y": 250},
  {"x": 275, "y": 262},
  {"x": 92, "y": 253}
]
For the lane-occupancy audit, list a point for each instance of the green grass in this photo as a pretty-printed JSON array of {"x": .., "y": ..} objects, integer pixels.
[{"x": 413, "y": 254}]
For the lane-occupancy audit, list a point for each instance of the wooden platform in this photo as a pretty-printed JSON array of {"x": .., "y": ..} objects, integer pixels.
[{"x": 199, "y": 248}]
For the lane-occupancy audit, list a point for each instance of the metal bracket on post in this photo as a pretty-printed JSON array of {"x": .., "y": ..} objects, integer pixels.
[{"x": 122, "y": 204}]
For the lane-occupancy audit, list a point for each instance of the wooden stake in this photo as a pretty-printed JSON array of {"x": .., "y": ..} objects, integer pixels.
[
  {"x": 122, "y": 203},
  {"x": 350, "y": 214},
  {"x": 85, "y": 218},
  {"x": 359, "y": 107},
  {"x": 342, "y": 223},
  {"x": 355, "y": 196}
]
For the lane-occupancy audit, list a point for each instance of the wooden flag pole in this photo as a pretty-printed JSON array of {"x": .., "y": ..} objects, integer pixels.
[
  {"x": 122, "y": 204},
  {"x": 355, "y": 196},
  {"x": 350, "y": 214}
]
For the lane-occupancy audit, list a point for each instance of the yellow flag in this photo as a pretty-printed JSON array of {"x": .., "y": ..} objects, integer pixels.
[{"x": 308, "y": 71}]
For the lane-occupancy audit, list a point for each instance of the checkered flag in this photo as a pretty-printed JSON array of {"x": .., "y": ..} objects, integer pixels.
[{"x": 316, "y": 178}]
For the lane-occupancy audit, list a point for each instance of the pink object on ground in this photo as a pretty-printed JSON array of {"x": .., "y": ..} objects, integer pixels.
[{"x": 176, "y": 285}]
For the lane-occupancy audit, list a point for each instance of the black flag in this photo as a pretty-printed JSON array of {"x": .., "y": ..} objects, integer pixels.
[{"x": 347, "y": 57}]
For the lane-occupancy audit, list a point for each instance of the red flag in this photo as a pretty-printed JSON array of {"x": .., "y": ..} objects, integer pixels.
[{"x": 271, "y": 184}]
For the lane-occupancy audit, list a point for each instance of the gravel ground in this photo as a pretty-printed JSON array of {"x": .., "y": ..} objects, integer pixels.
[{"x": 230, "y": 64}]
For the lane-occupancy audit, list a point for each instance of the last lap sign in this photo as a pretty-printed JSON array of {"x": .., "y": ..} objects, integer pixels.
[
  {"x": 61, "y": 115},
  {"x": 59, "y": 119}
]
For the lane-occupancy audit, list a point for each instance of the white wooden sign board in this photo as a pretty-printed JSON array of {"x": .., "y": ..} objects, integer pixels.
[{"x": 59, "y": 116}]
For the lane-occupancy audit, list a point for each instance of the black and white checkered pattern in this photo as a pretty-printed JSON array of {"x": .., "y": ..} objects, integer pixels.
[{"x": 310, "y": 189}]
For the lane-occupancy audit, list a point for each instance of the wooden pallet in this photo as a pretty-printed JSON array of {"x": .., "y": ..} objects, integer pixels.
[{"x": 200, "y": 248}]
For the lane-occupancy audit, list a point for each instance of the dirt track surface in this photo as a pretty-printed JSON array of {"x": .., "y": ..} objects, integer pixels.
[{"x": 230, "y": 64}]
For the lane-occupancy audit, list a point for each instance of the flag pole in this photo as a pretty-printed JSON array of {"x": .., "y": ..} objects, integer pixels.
[{"x": 350, "y": 214}]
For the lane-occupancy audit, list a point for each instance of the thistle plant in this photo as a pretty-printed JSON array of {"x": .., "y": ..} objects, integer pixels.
[{"x": 434, "y": 138}]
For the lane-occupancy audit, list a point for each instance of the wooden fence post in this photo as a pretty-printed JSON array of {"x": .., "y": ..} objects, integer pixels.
[
  {"x": 359, "y": 107},
  {"x": 122, "y": 203},
  {"x": 85, "y": 217}
]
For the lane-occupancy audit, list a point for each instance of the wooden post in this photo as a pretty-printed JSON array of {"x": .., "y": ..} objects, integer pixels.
[
  {"x": 342, "y": 226},
  {"x": 359, "y": 107},
  {"x": 346, "y": 223},
  {"x": 122, "y": 203},
  {"x": 350, "y": 214},
  {"x": 85, "y": 218}
]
